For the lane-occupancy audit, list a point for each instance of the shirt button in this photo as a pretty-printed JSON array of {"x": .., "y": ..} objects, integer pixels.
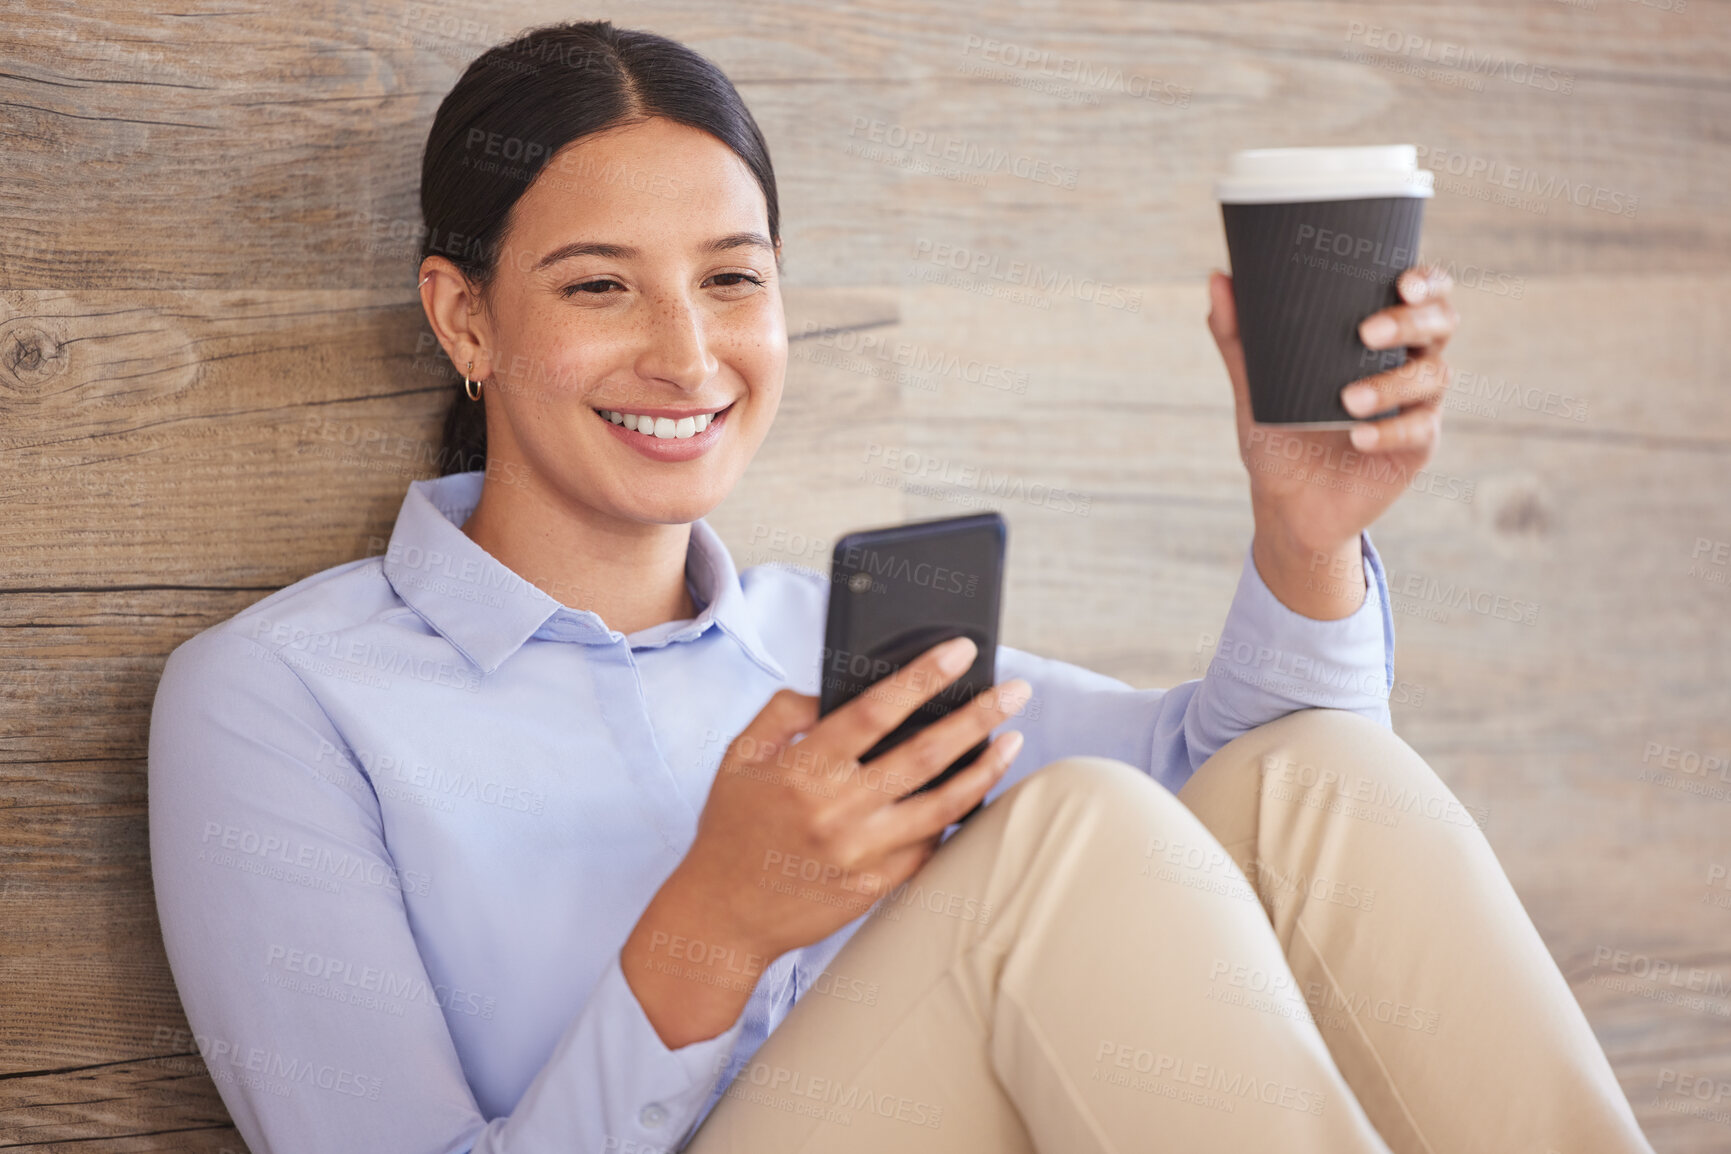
[{"x": 652, "y": 1116}]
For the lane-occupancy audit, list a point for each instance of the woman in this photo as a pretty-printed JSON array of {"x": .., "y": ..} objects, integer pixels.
[{"x": 527, "y": 836}]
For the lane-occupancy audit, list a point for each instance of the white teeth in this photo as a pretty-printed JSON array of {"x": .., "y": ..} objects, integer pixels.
[{"x": 665, "y": 428}]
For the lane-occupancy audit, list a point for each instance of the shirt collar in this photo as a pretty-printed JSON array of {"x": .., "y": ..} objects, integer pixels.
[{"x": 484, "y": 609}]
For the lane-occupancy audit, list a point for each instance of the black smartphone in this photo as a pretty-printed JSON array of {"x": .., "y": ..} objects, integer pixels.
[{"x": 896, "y": 592}]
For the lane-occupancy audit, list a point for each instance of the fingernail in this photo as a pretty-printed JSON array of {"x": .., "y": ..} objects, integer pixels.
[
  {"x": 1377, "y": 331},
  {"x": 1365, "y": 437},
  {"x": 1014, "y": 695},
  {"x": 1360, "y": 400},
  {"x": 956, "y": 654},
  {"x": 1012, "y": 745}
]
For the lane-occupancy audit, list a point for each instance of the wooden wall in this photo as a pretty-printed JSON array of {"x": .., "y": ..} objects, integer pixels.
[{"x": 211, "y": 356}]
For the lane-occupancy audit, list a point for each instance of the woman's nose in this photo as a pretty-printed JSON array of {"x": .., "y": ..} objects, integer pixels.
[{"x": 676, "y": 349}]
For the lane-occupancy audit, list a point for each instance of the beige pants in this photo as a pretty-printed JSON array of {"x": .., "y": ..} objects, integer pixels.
[{"x": 1315, "y": 951}]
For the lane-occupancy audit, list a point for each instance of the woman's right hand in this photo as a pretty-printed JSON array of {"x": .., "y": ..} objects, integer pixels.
[{"x": 798, "y": 838}]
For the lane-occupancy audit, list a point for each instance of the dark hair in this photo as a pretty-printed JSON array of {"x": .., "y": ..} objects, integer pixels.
[{"x": 516, "y": 106}]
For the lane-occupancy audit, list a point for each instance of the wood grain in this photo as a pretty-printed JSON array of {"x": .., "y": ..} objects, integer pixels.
[{"x": 215, "y": 380}]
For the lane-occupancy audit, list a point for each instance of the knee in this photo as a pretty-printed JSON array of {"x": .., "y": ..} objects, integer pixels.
[
  {"x": 1342, "y": 755},
  {"x": 1103, "y": 792},
  {"x": 1098, "y": 780},
  {"x": 1321, "y": 745}
]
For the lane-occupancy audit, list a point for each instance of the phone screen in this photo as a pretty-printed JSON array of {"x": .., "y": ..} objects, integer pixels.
[{"x": 895, "y": 593}]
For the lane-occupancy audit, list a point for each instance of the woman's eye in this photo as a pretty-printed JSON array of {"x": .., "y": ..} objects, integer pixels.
[
  {"x": 592, "y": 287},
  {"x": 732, "y": 279}
]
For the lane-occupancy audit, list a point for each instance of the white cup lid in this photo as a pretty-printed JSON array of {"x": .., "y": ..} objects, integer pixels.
[{"x": 1281, "y": 175}]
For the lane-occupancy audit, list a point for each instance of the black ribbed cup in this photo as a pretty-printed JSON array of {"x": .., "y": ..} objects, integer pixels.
[{"x": 1304, "y": 274}]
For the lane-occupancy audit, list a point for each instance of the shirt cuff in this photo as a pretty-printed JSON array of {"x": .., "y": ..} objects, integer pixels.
[
  {"x": 645, "y": 1096},
  {"x": 1272, "y": 661}
]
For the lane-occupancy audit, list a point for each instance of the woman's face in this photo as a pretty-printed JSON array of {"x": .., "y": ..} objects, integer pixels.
[{"x": 636, "y": 285}]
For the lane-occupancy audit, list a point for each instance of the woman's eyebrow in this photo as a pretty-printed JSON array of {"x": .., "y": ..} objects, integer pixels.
[
  {"x": 739, "y": 240},
  {"x": 627, "y": 252}
]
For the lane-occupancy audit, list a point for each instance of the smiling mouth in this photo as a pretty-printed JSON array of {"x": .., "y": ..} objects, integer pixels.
[{"x": 664, "y": 428}]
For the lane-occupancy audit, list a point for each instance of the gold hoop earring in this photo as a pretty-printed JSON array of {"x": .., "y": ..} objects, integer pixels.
[{"x": 473, "y": 388}]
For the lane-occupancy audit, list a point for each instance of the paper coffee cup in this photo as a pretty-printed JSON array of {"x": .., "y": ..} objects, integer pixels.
[{"x": 1317, "y": 238}]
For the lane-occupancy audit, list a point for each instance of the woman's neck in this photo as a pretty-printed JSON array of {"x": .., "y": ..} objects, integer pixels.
[{"x": 630, "y": 574}]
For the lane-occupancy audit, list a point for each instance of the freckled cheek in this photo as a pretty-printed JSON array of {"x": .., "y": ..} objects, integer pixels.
[{"x": 757, "y": 352}]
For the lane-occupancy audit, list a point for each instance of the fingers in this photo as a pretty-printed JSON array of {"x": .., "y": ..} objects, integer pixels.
[
  {"x": 1421, "y": 379},
  {"x": 1424, "y": 284},
  {"x": 1223, "y": 324},
  {"x": 924, "y": 814},
  {"x": 1419, "y": 427},
  {"x": 783, "y": 716},
  {"x": 1222, "y": 308},
  {"x": 863, "y": 722},
  {"x": 1427, "y": 324},
  {"x": 930, "y": 751}
]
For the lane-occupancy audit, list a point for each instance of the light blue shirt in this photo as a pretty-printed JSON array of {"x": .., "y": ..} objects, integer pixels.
[{"x": 404, "y": 813}]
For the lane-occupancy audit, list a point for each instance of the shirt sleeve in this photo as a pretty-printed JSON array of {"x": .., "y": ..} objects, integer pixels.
[
  {"x": 1268, "y": 662},
  {"x": 265, "y": 848}
]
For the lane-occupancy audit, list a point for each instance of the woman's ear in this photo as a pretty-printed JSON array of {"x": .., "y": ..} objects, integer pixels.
[{"x": 455, "y": 311}]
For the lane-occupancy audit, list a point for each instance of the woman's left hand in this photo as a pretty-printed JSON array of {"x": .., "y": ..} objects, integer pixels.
[{"x": 1314, "y": 491}]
